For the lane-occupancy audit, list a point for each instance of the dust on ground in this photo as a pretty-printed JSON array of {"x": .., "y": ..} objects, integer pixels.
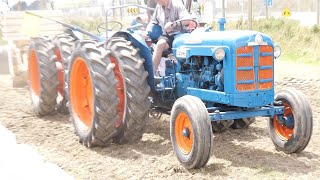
[{"x": 237, "y": 154}]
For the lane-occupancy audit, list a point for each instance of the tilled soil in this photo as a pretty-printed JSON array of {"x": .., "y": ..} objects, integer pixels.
[{"x": 237, "y": 154}]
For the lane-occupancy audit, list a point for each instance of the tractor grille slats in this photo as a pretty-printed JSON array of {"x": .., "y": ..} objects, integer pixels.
[
  {"x": 246, "y": 78},
  {"x": 265, "y": 72},
  {"x": 245, "y": 69}
]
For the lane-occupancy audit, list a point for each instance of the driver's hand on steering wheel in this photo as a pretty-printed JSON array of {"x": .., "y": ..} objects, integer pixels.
[{"x": 169, "y": 26}]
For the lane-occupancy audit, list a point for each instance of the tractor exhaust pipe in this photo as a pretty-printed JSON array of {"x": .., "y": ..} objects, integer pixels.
[{"x": 221, "y": 22}]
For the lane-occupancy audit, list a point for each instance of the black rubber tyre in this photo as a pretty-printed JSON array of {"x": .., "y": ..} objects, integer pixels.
[
  {"x": 42, "y": 73},
  {"x": 90, "y": 63},
  {"x": 221, "y": 126},
  {"x": 191, "y": 132},
  {"x": 243, "y": 123},
  {"x": 298, "y": 108},
  {"x": 137, "y": 89},
  {"x": 64, "y": 46}
]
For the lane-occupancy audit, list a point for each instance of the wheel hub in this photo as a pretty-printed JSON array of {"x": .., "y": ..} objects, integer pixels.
[
  {"x": 186, "y": 132},
  {"x": 284, "y": 124}
]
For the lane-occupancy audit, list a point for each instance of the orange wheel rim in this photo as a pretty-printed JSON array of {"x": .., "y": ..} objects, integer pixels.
[
  {"x": 81, "y": 92},
  {"x": 34, "y": 73},
  {"x": 283, "y": 131},
  {"x": 120, "y": 91},
  {"x": 184, "y": 133},
  {"x": 60, "y": 71}
]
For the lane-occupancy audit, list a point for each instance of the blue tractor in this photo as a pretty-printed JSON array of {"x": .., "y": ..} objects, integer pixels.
[{"x": 213, "y": 80}]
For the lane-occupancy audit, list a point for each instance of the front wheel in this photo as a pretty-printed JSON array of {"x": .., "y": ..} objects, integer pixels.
[
  {"x": 294, "y": 135},
  {"x": 190, "y": 131}
]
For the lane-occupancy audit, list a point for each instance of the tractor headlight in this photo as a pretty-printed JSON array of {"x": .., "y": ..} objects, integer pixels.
[
  {"x": 219, "y": 54},
  {"x": 276, "y": 51}
]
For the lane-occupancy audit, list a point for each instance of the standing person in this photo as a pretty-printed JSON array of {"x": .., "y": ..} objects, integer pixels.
[{"x": 166, "y": 12}]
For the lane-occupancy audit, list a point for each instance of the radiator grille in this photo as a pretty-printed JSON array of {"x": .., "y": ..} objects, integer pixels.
[
  {"x": 245, "y": 71},
  {"x": 265, "y": 68}
]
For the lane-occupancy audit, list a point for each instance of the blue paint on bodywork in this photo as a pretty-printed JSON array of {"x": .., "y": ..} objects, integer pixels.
[
  {"x": 201, "y": 42},
  {"x": 266, "y": 111}
]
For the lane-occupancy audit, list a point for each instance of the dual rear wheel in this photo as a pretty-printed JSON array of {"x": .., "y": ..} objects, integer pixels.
[
  {"x": 108, "y": 92},
  {"x": 93, "y": 99},
  {"x": 48, "y": 61}
]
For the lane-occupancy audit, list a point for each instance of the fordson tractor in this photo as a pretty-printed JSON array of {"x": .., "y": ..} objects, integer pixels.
[{"x": 213, "y": 80}]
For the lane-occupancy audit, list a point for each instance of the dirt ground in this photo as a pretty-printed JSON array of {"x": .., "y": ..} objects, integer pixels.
[{"x": 237, "y": 154}]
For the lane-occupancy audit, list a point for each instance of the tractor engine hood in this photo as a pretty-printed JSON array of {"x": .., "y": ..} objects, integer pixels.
[{"x": 202, "y": 41}]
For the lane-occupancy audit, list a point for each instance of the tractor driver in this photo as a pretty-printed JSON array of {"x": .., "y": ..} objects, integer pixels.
[{"x": 166, "y": 12}]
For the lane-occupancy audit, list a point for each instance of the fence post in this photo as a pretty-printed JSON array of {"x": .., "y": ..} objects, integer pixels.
[
  {"x": 267, "y": 4},
  {"x": 250, "y": 15},
  {"x": 214, "y": 10},
  {"x": 121, "y": 10},
  {"x": 223, "y": 9}
]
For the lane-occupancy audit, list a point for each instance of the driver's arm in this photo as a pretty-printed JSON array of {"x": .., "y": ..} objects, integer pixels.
[
  {"x": 183, "y": 14},
  {"x": 180, "y": 14}
]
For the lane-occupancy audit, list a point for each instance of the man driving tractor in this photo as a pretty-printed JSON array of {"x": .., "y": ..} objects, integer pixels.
[{"x": 166, "y": 12}]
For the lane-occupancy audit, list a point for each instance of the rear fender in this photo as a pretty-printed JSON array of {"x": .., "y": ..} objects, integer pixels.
[{"x": 144, "y": 51}]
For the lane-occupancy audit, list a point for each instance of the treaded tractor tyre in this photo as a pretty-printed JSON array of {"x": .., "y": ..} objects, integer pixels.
[
  {"x": 42, "y": 73},
  {"x": 137, "y": 89},
  {"x": 243, "y": 123},
  {"x": 297, "y": 110},
  {"x": 92, "y": 94},
  {"x": 221, "y": 126},
  {"x": 191, "y": 132},
  {"x": 64, "y": 45}
]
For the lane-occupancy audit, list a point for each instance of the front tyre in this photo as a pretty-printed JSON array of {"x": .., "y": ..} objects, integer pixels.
[
  {"x": 190, "y": 131},
  {"x": 297, "y": 112}
]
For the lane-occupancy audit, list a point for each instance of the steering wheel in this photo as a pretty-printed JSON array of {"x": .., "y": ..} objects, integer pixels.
[
  {"x": 112, "y": 26},
  {"x": 183, "y": 28}
]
